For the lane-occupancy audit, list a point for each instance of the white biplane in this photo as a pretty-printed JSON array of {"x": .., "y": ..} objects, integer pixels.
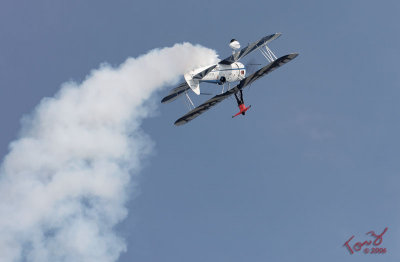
[{"x": 227, "y": 71}]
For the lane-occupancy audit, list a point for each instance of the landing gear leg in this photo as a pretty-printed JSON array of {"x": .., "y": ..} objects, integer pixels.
[{"x": 240, "y": 102}]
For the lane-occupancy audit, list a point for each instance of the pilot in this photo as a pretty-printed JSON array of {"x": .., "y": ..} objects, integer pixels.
[{"x": 240, "y": 103}]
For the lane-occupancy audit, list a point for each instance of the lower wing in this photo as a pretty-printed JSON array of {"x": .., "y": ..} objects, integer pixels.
[{"x": 245, "y": 82}]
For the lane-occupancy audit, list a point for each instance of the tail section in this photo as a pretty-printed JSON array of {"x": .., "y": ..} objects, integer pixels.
[{"x": 193, "y": 78}]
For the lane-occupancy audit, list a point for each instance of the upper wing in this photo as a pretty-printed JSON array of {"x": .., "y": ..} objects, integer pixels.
[
  {"x": 176, "y": 92},
  {"x": 250, "y": 48},
  {"x": 245, "y": 82}
]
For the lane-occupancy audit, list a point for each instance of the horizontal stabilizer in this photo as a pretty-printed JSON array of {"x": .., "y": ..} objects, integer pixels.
[{"x": 204, "y": 72}]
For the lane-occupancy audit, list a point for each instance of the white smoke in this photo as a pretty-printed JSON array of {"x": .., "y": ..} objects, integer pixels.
[{"x": 66, "y": 180}]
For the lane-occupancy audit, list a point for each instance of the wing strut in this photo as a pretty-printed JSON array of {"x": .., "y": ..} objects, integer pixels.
[
  {"x": 268, "y": 54},
  {"x": 189, "y": 100}
]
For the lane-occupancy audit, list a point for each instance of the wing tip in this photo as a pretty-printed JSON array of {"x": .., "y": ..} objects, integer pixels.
[
  {"x": 179, "y": 122},
  {"x": 274, "y": 36},
  {"x": 290, "y": 56},
  {"x": 167, "y": 99}
]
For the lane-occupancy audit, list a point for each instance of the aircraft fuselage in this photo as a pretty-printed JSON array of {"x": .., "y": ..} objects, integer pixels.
[
  {"x": 219, "y": 75},
  {"x": 225, "y": 73}
]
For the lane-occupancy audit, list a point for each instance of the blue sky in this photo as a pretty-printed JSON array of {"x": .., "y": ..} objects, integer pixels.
[{"x": 315, "y": 160}]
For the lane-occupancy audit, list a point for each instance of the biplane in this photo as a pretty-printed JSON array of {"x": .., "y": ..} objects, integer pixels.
[{"x": 228, "y": 70}]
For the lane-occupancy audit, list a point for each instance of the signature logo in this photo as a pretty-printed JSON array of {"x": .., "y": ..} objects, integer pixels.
[{"x": 374, "y": 239}]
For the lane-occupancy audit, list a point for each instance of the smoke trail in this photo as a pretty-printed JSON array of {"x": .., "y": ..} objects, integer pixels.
[{"x": 65, "y": 181}]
